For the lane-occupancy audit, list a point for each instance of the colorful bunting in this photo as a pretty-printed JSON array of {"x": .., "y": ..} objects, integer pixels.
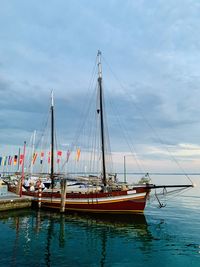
[{"x": 9, "y": 160}]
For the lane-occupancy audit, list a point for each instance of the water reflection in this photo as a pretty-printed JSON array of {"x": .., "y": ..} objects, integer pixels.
[
  {"x": 52, "y": 239},
  {"x": 16, "y": 241},
  {"x": 52, "y": 230},
  {"x": 62, "y": 231}
]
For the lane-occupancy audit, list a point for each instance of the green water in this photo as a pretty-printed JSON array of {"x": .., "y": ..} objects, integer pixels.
[{"x": 161, "y": 237}]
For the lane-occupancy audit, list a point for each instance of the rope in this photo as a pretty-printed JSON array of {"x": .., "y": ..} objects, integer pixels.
[
  {"x": 147, "y": 122},
  {"x": 85, "y": 111},
  {"x": 174, "y": 194}
]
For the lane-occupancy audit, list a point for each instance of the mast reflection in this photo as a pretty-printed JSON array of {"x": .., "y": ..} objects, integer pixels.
[{"x": 85, "y": 235}]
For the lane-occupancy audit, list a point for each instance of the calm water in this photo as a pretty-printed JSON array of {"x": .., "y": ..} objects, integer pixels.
[{"x": 161, "y": 237}]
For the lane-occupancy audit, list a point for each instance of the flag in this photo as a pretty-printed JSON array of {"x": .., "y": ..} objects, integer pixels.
[
  {"x": 0, "y": 160},
  {"x": 68, "y": 154},
  {"x": 5, "y": 161},
  {"x": 9, "y": 160},
  {"x": 41, "y": 157},
  {"x": 21, "y": 158},
  {"x": 59, "y": 153},
  {"x": 15, "y": 159},
  {"x": 34, "y": 157},
  {"x": 78, "y": 152},
  {"x": 49, "y": 159}
]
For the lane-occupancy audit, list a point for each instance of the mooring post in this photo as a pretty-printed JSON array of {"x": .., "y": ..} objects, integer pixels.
[
  {"x": 18, "y": 188},
  {"x": 63, "y": 185},
  {"x": 39, "y": 195}
]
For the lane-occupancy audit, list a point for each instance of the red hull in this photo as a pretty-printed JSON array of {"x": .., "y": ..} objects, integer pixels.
[
  {"x": 119, "y": 207},
  {"x": 131, "y": 201},
  {"x": 112, "y": 202}
]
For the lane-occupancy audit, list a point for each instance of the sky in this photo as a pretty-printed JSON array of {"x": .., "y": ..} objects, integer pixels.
[{"x": 150, "y": 60}]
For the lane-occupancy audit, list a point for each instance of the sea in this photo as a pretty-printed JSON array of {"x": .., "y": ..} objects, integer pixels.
[{"x": 167, "y": 234}]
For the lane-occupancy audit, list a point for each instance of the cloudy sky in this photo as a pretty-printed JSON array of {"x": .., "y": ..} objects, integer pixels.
[{"x": 151, "y": 62}]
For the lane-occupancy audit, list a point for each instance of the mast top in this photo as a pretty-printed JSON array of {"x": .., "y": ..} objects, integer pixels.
[
  {"x": 99, "y": 64},
  {"x": 52, "y": 100}
]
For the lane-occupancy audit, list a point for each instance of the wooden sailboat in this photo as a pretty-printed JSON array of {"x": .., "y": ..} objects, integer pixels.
[{"x": 107, "y": 199}]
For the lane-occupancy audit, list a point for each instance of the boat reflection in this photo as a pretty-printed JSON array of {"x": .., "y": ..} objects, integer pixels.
[
  {"x": 67, "y": 232},
  {"x": 40, "y": 238}
]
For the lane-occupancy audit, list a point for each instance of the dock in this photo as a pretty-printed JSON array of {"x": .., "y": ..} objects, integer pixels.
[{"x": 11, "y": 201}]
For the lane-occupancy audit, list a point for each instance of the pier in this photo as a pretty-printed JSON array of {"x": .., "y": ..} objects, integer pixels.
[{"x": 12, "y": 201}]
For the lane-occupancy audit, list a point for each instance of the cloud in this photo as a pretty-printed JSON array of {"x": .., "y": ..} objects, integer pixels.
[{"x": 153, "y": 49}]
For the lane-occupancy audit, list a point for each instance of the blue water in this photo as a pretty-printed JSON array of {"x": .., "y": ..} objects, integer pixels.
[{"x": 161, "y": 237}]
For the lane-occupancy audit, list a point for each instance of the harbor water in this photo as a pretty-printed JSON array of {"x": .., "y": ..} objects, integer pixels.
[{"x": 166, "y": 236}]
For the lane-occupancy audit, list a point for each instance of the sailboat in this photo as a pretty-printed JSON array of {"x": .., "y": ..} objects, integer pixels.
[{"x": 106, "y": 198}]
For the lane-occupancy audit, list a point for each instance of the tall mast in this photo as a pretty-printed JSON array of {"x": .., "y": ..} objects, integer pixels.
[
  {"x": 22, "y": 178},
  {"x": 18, "y": 165},
  {"x": 101, "y": 117},
  {"x": 32, "y": 154},
  {"x": 52, "y": 140}
]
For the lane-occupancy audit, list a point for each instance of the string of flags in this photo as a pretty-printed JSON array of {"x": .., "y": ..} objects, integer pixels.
[
  {"x": 18, "y": 159},
  {"x": 11, "y": 160}
]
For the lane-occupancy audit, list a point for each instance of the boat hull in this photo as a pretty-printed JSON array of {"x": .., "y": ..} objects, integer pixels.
[
  {"x": 122, "y": 207},
  {"x": 121, "y": 202}
]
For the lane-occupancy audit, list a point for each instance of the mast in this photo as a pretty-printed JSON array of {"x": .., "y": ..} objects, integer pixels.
[
  {"x": 22, "y": 177},
  {"x": 32, "y": 154},
  {"x": 125, "y": 169},
  {"x": 101, "y": 117},
  {"x": 18, "y": 165},
  {"x": 52, "y": 140}
]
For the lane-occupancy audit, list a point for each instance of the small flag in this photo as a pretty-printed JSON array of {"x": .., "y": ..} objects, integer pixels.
[
  {"x": 78, "y": 154},
  {"x": 5, "y": 161},
  {"x": 9, "y": 160},
  {"x": 34, "y": 157},
  {"x": 41, "y": 157},
  {"x": 21, "y": 158},
  {"x": 68, "y": 155},
  {"x": 0, "y": 160},
  {"x": 49, "y": 159},
  {"x": 59, "y": 153},
  {"x": 15, "y": 160}
]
